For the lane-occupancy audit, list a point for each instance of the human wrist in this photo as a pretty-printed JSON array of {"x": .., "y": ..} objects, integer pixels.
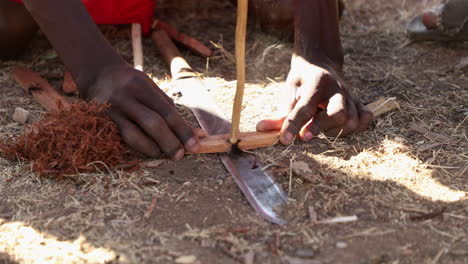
[
  {"x": 87, "y": 77},
  {"x": 316, "y": 31},
  {"x": 318, "y": 59}
]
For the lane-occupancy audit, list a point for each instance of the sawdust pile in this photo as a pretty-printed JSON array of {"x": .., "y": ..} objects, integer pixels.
[{"x": 80, "y": 138}]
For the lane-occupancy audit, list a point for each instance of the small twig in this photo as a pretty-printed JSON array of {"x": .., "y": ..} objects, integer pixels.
[
  {"x": 291, "y": 161},
  {"x": 181, "y": 196},
  {"x": 228, "y": 253},
  {"x": 341, "y": 219},
  {"x": 439, "y": 254},
  {"x": 427, "y": 216},
  {"x": 137, "y": 47},
  {"x": 53, "y": 213},
  {"x": 152, "y": 163},
  {"x": 151, "y": 208},
  {"x": 399, "y": 208},
  {"x": 427, "y": 132}
]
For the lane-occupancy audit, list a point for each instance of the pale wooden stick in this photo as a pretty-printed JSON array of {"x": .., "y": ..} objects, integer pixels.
[
  {"x": 137, "y": 47},
  {"x": 241, "y": 29},
  {"x": 254, "y": 140}
]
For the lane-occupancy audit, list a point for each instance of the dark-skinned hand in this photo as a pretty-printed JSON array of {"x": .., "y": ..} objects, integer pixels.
[
  {"x": 146, "y": 117},
  {"x": 316, "y": 102}
]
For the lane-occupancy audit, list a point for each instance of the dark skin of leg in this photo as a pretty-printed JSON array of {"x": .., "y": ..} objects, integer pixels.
[
  {"x": 315, "y": 80},
  {"x": 17, "y": 28},
  {"x": 147, "y": 118}
]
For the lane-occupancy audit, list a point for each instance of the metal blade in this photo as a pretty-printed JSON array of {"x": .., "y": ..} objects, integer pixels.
[{"x": 260, "y": 189}]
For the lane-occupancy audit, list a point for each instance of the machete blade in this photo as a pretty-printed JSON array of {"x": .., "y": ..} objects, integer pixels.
[{"x": 263, "y": 193}]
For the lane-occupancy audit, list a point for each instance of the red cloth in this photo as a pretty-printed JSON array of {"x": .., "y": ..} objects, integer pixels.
[{"x": 121, "y": 12}]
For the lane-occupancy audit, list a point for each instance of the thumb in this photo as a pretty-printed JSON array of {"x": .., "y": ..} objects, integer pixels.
[{"x": 270, "y": 124}]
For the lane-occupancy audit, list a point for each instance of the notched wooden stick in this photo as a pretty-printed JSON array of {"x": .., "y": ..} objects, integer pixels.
[
  {"x": 137, "y": 47},
  {"x": 246, "y": 141},
  {"x": 254, "y": 140}
]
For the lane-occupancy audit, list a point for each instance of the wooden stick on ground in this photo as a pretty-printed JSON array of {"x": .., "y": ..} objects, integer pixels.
[
  {"x": 183, "y": 38},
  {"x": 39, "y": 88},
  {"x": 137, "y": 47},
  {"x": 254, "y": 140}
]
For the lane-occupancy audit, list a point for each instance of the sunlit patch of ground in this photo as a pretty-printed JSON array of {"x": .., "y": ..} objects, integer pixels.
[
  {"x": 392, "y": 161},
  {"x": 25, "y": 244}
]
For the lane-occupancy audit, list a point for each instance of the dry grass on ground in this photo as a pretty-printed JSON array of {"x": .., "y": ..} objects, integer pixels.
[{"x": 405, "y": 179}]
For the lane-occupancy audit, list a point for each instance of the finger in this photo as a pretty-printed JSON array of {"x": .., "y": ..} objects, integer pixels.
[
  {"x": 270, "y": 124},
  {"x": 334, "y": 116},
  {"x": 303, "y": 111},
  {"x": 135, "y": 138},
  {"x": 200, "y": 133},
  {"x": 289, "y": 95},
  {"x": 365, "y": 117},
  {"x": 183, "y": 131},
  {"x": 351, "y": 125},
  {"x": 155, "y": 127}
]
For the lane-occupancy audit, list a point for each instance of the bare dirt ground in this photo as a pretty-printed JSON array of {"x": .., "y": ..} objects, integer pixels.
[{"x": 408, "y": 189}]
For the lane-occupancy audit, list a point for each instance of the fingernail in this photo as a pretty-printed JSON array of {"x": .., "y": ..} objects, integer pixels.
[
  {"x": 288, "y": 138},
  {"x": 179, "y": 155},
  {"x": 192, "y": 145},
  {"x": 308, "y": 136}
]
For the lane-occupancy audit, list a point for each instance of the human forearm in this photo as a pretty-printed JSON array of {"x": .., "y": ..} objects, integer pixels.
[
  {"x": 316, "y": 31},
  {"x": 75, "y": 36}
]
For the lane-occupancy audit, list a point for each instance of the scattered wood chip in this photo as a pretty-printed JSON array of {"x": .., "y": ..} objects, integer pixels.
[
  {"x": 21, "y": 115},
  {"x": 181, "y": 196},
  {"x": 305, "y": 253},
  {"x": 341, "y": 244},
  {"x": 312, "y": 214},
  {"x": 302, "y": 169},
  {"x": 150, "y": 208},
  {"x": 149, "y": 181},
  {"x": 295, "y": 260},
  {"x": 341, "y": 219},
  {"x": 383, "y": 105},
  {"x": 53, "y": 213},
  {"x": 151, "y": 164},
  {"x": 429, "y": 146},
  {"x": 430, "y": 215},
  {"x": 249, "y": 257},
  {"x": 427, "y": 132},
  {"x": 186, "y": 259},
  {"x": 69, "y": 85},
  {"x": 462, "y": 64}
]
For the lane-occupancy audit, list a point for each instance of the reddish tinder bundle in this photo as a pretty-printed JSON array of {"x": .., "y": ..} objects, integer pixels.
[{"x": 79, "y": 138}]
